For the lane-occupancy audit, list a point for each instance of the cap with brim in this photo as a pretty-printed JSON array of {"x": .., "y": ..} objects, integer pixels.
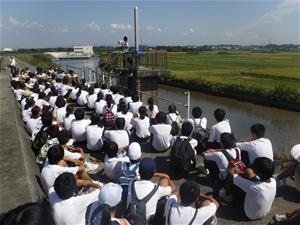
[
  {"x": 134, "y": 151},
  {"x": 295, "y": 152},
  {"x": 147, "y": 166},
  {"x": 110, "y": 194}
]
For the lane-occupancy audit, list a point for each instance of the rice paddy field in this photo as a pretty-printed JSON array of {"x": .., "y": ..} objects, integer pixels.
[{"x": 263, "y": 72}]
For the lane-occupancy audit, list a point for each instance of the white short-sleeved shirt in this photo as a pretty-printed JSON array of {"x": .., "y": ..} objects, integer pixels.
[
  {"x": 32, "y": 123},
  {"x": 51, "y": 172},
  {"x": 41, "y": 102},
  {"x": 97, "y": 90},
  {"x": 128, "y": 117},
  {"x": 141, "y": 127},
  {"x": 259, "y": 196},
  {"x": 23, "y": 103},
  {"x": 60, "y": 113},
  {"x": 52, "y": 100},
  {"x": 91, "y": 99},
  {"x": 142, "y": 189},
  {"x": 184, "y": 214},
  {"x": 72, "y": 155},
  {"x": 117, "y": 97},
  {"x": 99, "y": 106},
  {"x": 134, "y": 106},
  {"x": 221, "y": 160},
  {"x": 81, "y": 100},
  {"x": 128, "y": 99},
  {"x": 173, "y": 117},
  {"x": 218, "y": 129},
  {"x": 261, "y": 147},
  {"x": 105, "y": 92},
  {"x": 74, "y": 93},
  {"x": 68, "y": 121},
  {"x": 152, "y": 113},
  {"x": 120, "y": 137},
  {"x": 161, "y": 136},
  {"x": 71, "y": 211},
  {"x": 113, "y": 166},
  {"x": 199, "y": 121},
  {"x": 94, "y": 137},
  {"x": 78, "y": 129},
  {"x": 26, "y": 114}
]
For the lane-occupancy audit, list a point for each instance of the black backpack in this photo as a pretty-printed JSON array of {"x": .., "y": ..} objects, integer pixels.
[
  {"x": 183, "y": 155},
  {"x": 96, "y": 216},
  {"x": 39, "y": 140},
  {"x": 199, "y": 133},
  {"x": 136, "y": 214}
]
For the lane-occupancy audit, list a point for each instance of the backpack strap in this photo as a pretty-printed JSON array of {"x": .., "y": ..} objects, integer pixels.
[
  {"x": 192, "y": 220},
  {"x": 194, "y": 217},
  {"x": 147, "y": 197},
  {"x": 237, "y": 152},
  {"x": 227, "y": 155},
  {"x": 169, "y": 215},
  {"x": 94, "y": 213}
]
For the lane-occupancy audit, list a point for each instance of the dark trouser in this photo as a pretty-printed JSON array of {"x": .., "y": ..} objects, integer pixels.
[{"x": 245, "y": 158}]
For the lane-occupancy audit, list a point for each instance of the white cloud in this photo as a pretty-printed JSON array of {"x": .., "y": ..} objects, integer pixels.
[
  {"x": 93, "y": 26},
  {"x": 61, "y": 29},
  {"x": 120, "y": 26},
  {"x": 191, "y": 30},
  {"x": 149, "y": 28},
  {"x": 228, "y": 34},
  {"x": 27, "y": 24},
  {"x": 159, "y": 29}
]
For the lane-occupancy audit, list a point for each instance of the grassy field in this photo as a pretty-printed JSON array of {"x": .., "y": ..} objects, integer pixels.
[
  {"x": 276, "y": 73},
  {"x": 37, "y": 59}
]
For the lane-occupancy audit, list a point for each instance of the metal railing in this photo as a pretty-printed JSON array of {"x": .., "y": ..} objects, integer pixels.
[{"x": 147, "y": 60}]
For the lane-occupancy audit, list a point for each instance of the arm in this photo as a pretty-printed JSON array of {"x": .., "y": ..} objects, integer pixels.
[
  {"x": 206, "y": 200},
  {"x": 165, "y": 181}
]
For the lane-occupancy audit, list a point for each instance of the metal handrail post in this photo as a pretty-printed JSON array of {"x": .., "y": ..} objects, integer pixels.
[{"x": 188, "y": 93}]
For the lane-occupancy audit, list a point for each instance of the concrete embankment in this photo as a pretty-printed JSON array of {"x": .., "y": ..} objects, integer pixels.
[{"x": 18, "y": 171}]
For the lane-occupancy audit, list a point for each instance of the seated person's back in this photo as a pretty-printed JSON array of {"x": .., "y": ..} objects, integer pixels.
[
  {"x": 79, "y": 125},
  {"x": 119, "y": 135},
  {"x": 135, "y": 105}
]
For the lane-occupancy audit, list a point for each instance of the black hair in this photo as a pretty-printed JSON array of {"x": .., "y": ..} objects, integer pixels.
[
  {"x": 172, "y": 108},
  {"x": 33, "y": 213},
  {"x": 99, "y": 96},
  {"x": 63, "y": 137},
  {"x": 69, "y": 110},
  {"x": 60, "y": 102},
  {"x": 189, "y": 192},
  {"x": 47, "y": 119},
  {"x": 123, "y": 107},
  {"x": 103, "y": 86},
  {"x": 263, "y": 167},
  {"x": 135, "y": 98},
  {"x": 120, "y": 123},
  {"x": 66, "y": 80},
  {"x": 109, "y": 100},
  {"x": 187, "y": 128},
  {"x": 258, "y": 129},
  {"x": 64, "y": 185},
  {"x": 197, "y": 112},
  {"x": 35, "y": 112},
  {"x": 96, "y": 120},
  {"x": 79, "y": 114},
  {"x": 55, "y": 154},
  {"x": 29, "y": 103},
  {"x": 161, "y": 117},
  {"x": 142, "y": 112},
  {"x": 227, "y": 140},
  {"x": 219, "y": 114},
  {"x": 150, "y": 102},
  {"x": 53, "y": 131},
  {"x": 91, "y": 90},
  {"x": 42, "y": 95},
  {"x": 112, "y": 149},
  {"x": 125, "y": 38}
]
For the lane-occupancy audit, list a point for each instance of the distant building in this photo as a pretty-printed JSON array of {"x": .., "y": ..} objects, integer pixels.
[
  {"x": 7, "y": 50},
  {"x": 79, "y": 52}
]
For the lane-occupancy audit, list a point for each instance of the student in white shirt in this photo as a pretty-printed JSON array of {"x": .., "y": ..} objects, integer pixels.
[
  {"x": 120, "y": 136},
  {"x": 114, "y": 163},
  {"x": 173, "y": 115},
  {"x": 152, "y": 110},
  {"x": 41, "y": 102},
  {"x": 135, "y": 105},
  {"x": 115, "y": 95},
  {"x": 91, "y": 98},
  {"x": 141, "y": 126},
  {"x": 53, "y": 96},
  {"x": 190, "y": 206},
  {"x": 67, "y": 208},
  {"x": 160, "y": 133},
  {"x": 74, "y": 91},
  {"x": 26, "y": 113},
  {"x": 99, "y": 103},
  {"x": 110, "y": 104},
  {"x": 197, "y": 120},
  {"x": 79, "y": 126},
  {"x": 216, "y": 130},
  {"x": 81, "y": 96},
  {"x": 34, "y": 120},
  {"x": 144, "y": 186},
  {"x": 259, "y": 146},
  {"x": 259, "y": 186},
  {"x": 127, "y": 98},
  {"x": 69, "y": 117},
  {"x": 60, "y": 110},
  {"x": 94, "y": 133},
  {"x": 124, "y": 113},
  {"x": 105, "y": 91}
]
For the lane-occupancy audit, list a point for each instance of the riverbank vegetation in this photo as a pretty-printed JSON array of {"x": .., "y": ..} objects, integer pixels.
[
  {"x": 37, "y": 59},
  {"x": 271, "y": 75}
]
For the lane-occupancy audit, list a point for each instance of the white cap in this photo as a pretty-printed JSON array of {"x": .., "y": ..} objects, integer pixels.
[
  {"x": 295, "y": 152},
  {"x": 134, "y": 151},
  {"x": 110, "y": 194}
]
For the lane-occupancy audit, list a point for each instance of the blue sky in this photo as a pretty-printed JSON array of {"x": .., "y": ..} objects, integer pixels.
[{"x": 28, "y": 24}]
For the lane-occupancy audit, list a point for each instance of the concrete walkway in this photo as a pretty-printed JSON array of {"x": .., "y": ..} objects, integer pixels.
[{"x": 19, "y": 174}]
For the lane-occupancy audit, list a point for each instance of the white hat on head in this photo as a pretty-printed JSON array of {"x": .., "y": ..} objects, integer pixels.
[
  {"x": 134, "y": 151},
  {"x": 110, "y": 194},
  {"x": 295, "y": 152}
]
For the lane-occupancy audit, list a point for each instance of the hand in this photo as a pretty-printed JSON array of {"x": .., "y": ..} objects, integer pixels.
[
  {"x": 161, "y": 175},
  {"x": 232, "y": 171}
]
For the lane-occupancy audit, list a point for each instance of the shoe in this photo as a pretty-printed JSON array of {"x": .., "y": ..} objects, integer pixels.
[
  {"x": 222, "y": 195},
  {"x": 90, "y": 166},
  {"x": 279, "y": 218},
  {"x": 203, "y": 170}
]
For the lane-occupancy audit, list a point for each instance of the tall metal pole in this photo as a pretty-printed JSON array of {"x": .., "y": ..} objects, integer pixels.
[{"x": 136, "y": 29}]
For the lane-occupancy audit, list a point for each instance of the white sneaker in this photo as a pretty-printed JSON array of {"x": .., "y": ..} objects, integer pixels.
[
  {"x": 90, "y": 166},
  {"x": 279, "y": 218}
]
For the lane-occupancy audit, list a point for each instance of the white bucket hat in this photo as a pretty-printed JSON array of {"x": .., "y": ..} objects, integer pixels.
[
  {"x": 134, "y": 151},
  {"x": 110, "y": 194},
  {"x": 295, "y": 152}
]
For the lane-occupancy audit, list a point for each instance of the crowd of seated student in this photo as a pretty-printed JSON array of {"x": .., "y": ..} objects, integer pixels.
[{"x": 118, "y": 125}]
